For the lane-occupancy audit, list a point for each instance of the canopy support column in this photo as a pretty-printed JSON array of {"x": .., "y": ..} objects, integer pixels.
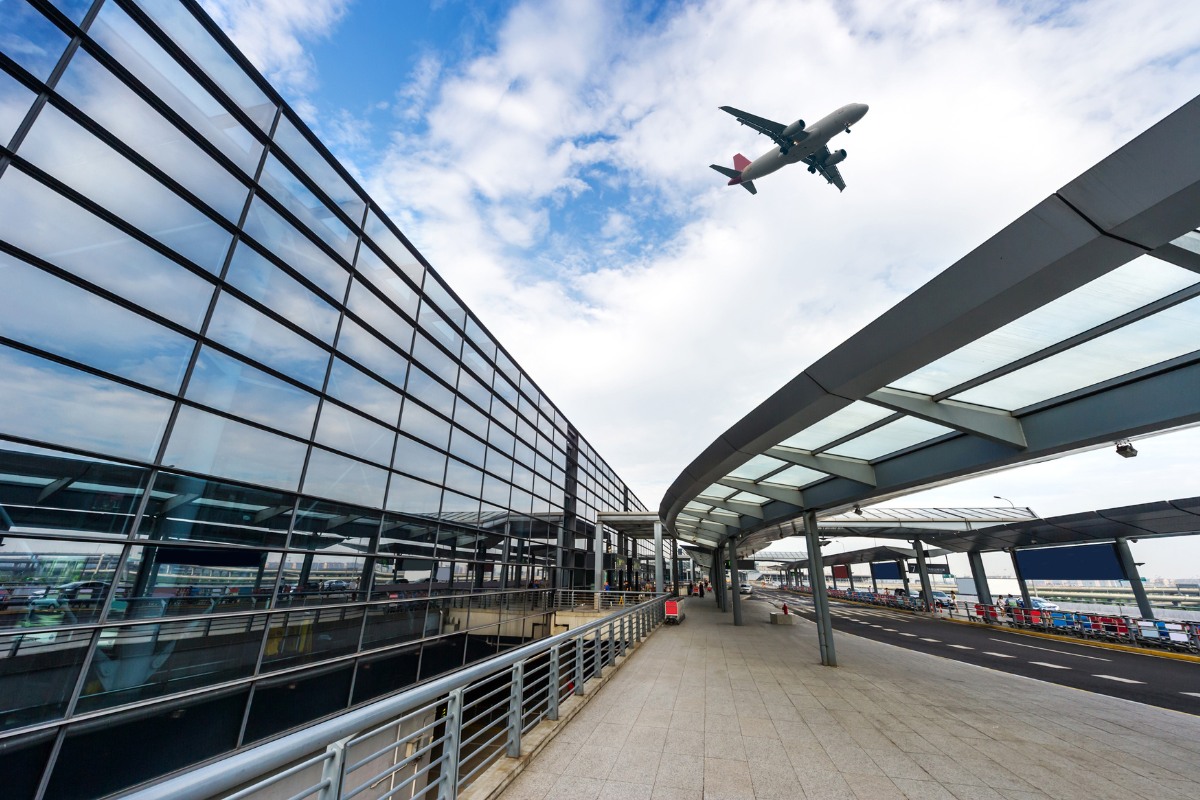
[
  {"x": 735, "y": 583},
  {"x": 979, "y": 575},
  {"x": 1129, "y": 567},
  {"x": 659, "y": 584},
  {"x": 598, "y": 568},
  {"x": 1024, "y": 587},
  {"x": 926, "y": 588},
  {"x": 816, "y": 575}
]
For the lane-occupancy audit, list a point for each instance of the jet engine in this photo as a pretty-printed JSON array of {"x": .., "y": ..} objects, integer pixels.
[
  {"x": 836, "y": 157},
  {"x": 793, "y": 130}
]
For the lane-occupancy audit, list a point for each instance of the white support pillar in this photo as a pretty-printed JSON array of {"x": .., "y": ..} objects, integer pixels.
[
  {"x": 659, "y": 585},
  {"x": 735, "y": 583},
  {"x": 598, "y": 567}
]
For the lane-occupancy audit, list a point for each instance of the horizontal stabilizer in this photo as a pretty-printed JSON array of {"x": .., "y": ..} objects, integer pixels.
[
  {"x": 749, "y": 187},
  {"x": 726, "y": 171}
]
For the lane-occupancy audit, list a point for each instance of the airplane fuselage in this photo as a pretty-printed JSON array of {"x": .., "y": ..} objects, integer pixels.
[{"x": 815, "y": 138}]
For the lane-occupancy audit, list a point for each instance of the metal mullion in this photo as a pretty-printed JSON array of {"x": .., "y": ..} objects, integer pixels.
[{"x": 1138, "y": 314}]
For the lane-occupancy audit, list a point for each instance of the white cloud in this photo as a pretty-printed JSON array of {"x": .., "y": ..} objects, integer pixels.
[{"x": 978, "y": 111}]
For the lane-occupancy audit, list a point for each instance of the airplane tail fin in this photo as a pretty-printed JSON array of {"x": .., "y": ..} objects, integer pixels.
[{"x": 740, "y": 162}]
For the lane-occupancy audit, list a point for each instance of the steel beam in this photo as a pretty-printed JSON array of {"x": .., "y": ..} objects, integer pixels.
[{"x": 1129, "y": 567}]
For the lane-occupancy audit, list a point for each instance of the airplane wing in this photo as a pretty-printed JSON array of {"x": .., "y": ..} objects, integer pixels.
[
  {"x": 760, "y": 124},
  {"x": 829, "y": 172}
]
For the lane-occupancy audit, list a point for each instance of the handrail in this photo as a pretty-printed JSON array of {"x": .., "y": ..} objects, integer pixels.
[{"x": 240, "y": 768}]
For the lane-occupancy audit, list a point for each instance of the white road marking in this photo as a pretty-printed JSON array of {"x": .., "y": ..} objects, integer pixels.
[
  {"x": 1051, "y": 666},
  {"x": 997, "y": 655},
  {"x": 1191, "y": 694},
  {"x": 890, "y": 630},
  {"x": 876, "y": 626},
  {"x": 1050, "y": 650},
  {"x": 909, "y": 634},
  {"x": 926, "y": 639},
  {"x": 1115, "y": 678},
  {"x": 961, "y": 647}
]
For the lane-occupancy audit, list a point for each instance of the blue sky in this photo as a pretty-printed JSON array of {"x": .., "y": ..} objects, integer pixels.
[{"x": 551, "y": 160}]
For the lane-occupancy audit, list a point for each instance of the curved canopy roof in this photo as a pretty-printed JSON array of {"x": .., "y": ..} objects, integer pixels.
[{"x": 1075, "y": 326}]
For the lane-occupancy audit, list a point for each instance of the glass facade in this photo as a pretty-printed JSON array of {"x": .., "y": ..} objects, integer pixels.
[{"x": 258, "y": 464}]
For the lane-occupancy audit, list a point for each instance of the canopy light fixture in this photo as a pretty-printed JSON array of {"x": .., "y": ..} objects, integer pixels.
[{"x": 1125, "y": 449}]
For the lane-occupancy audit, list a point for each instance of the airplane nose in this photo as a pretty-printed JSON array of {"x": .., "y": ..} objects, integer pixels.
[{"x": 863, "y": 108}]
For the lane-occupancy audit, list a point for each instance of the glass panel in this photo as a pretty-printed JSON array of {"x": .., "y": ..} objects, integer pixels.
[
  {"x": 400, "y": 622},
  {"x": 904, "y": 432},
  {"x": 48, "y": 490},
  {"x": 796, "y": 476},
  {"x": 140, "y": 662},
  {"x": 365, "y": 348},
  {"x": 339, "y": 478},
  {"x": 414, "y": 458},
  {"x": 312, "y": 212},
  {"x": 189, "y": 581},
  {"x": 298, "y": 251},
  {"x": 53, "y": 228},
  {"x": 39, "y": 669},
  {"x": 463, "y": 478},
  {"x": 252, "y": 334},
  {"x": 475, "y": 391},
  {"x": 1189, "y": 241},
  {"x": 30, "y": 39},
  {"x": 80, "y": 160},
  {"x": 55, "y": 404},
  {"x": 142, "y": 56},
  {"x": 429, "y": 391},
  {"x": 434, "y": 360},
  {"x": 840, "y": 423},
  {"x": 73, "y": 9},
  {"x": 183, "y": 508},
  {"x": 372, "y": 267},
  {"x": 501, "y": 439},
  {"x": 380, "y": 316},
  {"x": 1125, "y": 289},
  {"x": 757, "y": 467},
  {"x": 425, "y": 425},
  {"x": 332, "y": 528},
  {"x": 1166, "y": 335},
  {"x": 110, "y": 102},
  {"x": 206, "y": 443},
  {"x": 293, "y": 636},
  {"x": 470, "y": 418},
  {"x": 188, "y": 34},
  {"x": 480, "y": 338},
  {"x": 306, "y": 156},
  {"x": 394, "y": 249},
  {"x": 496, "y": 491},
  {"x": 362, "y": 392},
  {"x": 54, "y": 582},
  {"x": 274, "y": 288},
  {"x": 346, "y": 431},
  {"x": 61, "y": 318},
  {"x": 411, "y": 496},
  {"x": 440, "y": 295},
  {"x": 15, "y": 100},
  {"x": 225, "y": 383}
]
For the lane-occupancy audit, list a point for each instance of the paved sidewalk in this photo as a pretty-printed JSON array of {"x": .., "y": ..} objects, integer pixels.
[{"x": 709, "y": 711}]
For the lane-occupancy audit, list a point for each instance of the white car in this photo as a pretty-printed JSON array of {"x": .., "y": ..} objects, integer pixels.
[{"x": 744, "y": 589}]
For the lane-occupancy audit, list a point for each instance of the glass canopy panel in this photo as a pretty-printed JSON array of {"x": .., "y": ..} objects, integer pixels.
[
  {"x": 897, "y": 435},
  {"x": 1189, "y": 241},
  {"x": 837, "y": 425},
  {"x": 796, "y": 476},
  {"x": 697, "y": 507},
  {"x": 718, "y": 491},
  {"x": 1166, "y": 335},
  {"x": 757, "y": 467},
  {"x": 1141, "y": 281},
  {"x": 748, "y": 497}
]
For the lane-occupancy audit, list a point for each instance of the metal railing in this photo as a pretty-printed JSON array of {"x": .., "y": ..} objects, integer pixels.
[{"x": 432, "y": 740}]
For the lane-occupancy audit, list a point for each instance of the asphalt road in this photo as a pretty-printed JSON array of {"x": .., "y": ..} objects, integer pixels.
[{"x": 1149, "y": 679}]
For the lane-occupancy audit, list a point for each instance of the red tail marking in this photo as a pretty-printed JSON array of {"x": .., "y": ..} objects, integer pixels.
[{"x": 740, "y": 162}]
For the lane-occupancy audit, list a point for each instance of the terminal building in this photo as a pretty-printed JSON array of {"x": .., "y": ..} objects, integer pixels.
[{"x": 258, "y": 463}]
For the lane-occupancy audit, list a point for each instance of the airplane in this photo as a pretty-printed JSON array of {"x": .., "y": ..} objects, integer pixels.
[{"x": 797, "y": 143}]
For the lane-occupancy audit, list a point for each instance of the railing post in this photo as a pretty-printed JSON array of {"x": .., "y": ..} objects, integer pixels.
[
  {"x": 598, "y": 651},
  {"x": 612, "y": 643},
  {"x": 579, "y": 665},
  {"x": 624, "y": 640},
  {"x": 448, "y": 787},
  {"x": 516, "y": 701},
  {"x": 332, "y": 770},
  {"x": 553, "y": 685}
]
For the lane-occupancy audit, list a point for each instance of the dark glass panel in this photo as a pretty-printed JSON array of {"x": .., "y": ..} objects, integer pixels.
[
  {"x": 414, "y": 458},
  {"x": 39, "y": 669},
  {"x": 165, "y": 737},
  {"x": 412, "y": 496},
  {"x": 379, "y": 274},
  {"x": 15, "y": 101},
  {"x": 292, "y": 700},
  {"x": 54, "y": 582},
  {"x": 333, "y": 528},
  {"x": 313, "y": 164},
  {"x": 104, "y": 98},
  {"x": 141, "y": 662},
  {"x": 142, "y": 56},
  {"x": 46, "y": 401},
  {"x": 47, "y": 490},
  {"x": 390, "y": 245},
  {"x": 429, "y": 391},
  {"x": 400, "y": 621},
  {"x": 172, "y": 580},
  {"x": 68, "y": 152},
  {"x": 254, "y": 335},
  {"x": 312, "y": 212},
  {"x": 275, "y": 289},
  {"x": 380, "y": 316},
  {"x": 282, "y": 238},
  {"x": 409, "y": 539},
  {"x": 225, "y": 383},
  {"x": 30, "y": 39},
  {"x": 51, "y": 227},
  {"x": 308, "y": 635},
  {"x": 368, "y": 350},
  {"x": 387, "y": 672},
  {"x": 443, "y": 655},
  {"x": 362, "y": 392},
  {"x": 188, "y": 34},
  {"x": 336, "y": 477},
  {"x": 205, "y": 443},
  {"x": 346, "y": 431},
  {"x": 23, "y": 761},
  {"x": 183, "y": 508},
  {"x": 66, "y": 320}
]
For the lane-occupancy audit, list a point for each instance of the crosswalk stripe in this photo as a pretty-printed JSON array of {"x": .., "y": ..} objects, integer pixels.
[
  {"x": 1115, "y": 678},
  {"x": 1046, "y": 664}
]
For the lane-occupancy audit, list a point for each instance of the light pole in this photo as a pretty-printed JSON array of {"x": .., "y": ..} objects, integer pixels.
[{"x": 1005, "y": 499}]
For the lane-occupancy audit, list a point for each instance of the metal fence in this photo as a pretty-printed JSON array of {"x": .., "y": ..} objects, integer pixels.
[{"x": 434, "y": 739}]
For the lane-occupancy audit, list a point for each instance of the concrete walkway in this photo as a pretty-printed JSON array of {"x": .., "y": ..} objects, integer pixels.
[{"x": 709, "y": 711}]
